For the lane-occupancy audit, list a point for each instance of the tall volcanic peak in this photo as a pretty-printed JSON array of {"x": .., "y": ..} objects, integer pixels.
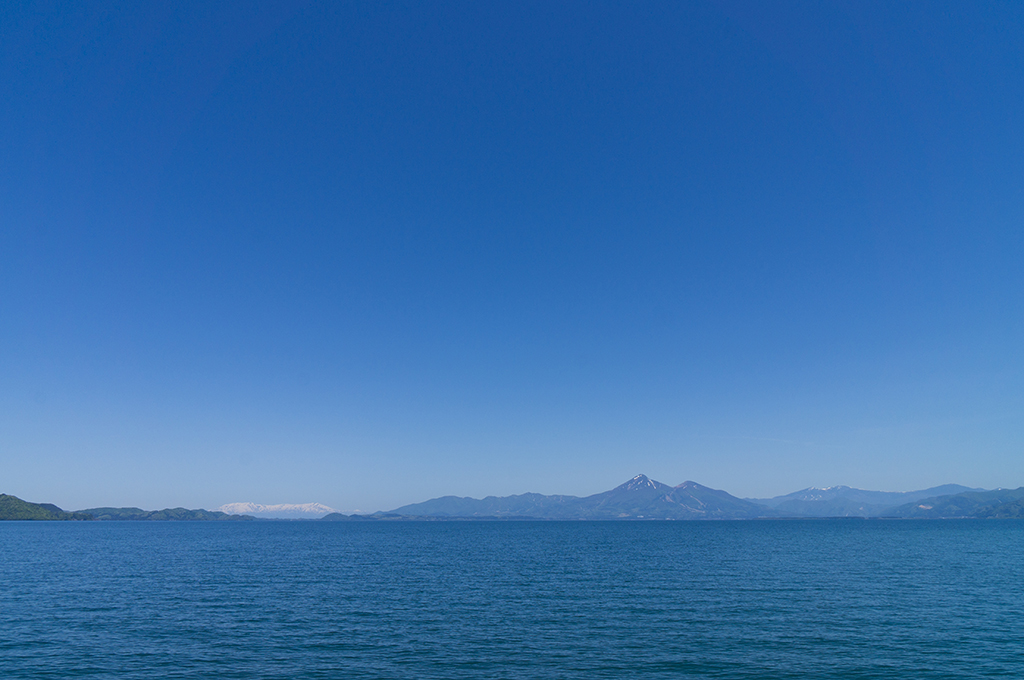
[
  {"x": 643, "y": 483},
  {"x": 638, "y": 498}
]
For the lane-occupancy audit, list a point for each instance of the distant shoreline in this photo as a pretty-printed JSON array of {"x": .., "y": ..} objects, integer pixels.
[{"x": 638, "y": 499}]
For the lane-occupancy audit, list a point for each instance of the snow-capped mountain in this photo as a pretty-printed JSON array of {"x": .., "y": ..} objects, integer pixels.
[{"x": 279, "y": 511}]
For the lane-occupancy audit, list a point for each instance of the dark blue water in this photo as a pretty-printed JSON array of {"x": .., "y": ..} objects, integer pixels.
[{"x": 759, "y": 599}]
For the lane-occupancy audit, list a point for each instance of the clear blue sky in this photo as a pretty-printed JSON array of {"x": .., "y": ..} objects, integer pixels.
[{"x": 370, "y": 253}]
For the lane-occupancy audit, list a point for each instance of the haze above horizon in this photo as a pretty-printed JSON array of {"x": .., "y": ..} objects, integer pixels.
[{"x": 371, "y": 254}]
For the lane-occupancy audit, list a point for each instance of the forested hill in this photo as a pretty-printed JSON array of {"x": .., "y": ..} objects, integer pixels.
[
  {"x": 997, "y": 504},
  {"x": 13, "y": 508},
  {"x": 165, "y": 515}
]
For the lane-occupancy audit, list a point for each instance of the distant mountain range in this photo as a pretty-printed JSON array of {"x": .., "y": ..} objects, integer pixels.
[
  {"x": 844, "y": 501},
  {"x": 1000, "y": 503},
  {"x": 638, "y": 498},
  {"x": 644, "y": 498},
  {"x": 281, "y": 511}
]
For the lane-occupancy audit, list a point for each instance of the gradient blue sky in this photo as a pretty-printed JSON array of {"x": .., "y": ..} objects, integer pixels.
[{"x": 371, "y": 253}]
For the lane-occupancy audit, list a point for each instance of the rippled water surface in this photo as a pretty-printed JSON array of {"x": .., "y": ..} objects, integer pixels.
[{"x": 757, "y": 599}]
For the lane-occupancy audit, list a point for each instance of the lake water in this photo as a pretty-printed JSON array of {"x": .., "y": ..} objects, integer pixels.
[{"x": 746, "y": 599}]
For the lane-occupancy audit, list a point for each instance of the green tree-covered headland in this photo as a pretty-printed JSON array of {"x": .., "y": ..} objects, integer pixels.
[
  {"x": 12, "y": 507},
  {"x": 165, "y": 515}
]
